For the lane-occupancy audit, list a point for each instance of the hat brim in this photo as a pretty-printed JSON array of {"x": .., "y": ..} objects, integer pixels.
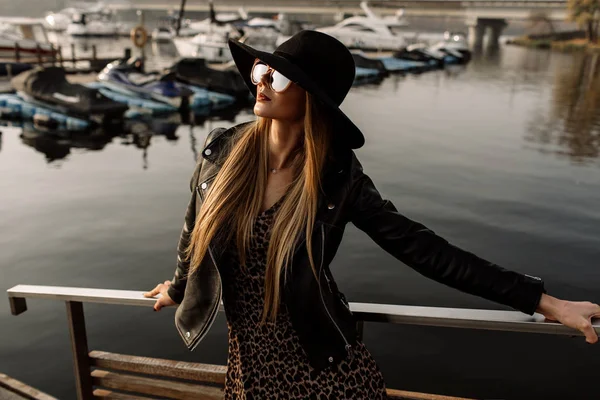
[{"x": 345, "y": 131}]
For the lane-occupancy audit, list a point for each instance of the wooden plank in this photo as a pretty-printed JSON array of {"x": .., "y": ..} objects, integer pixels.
[
  {"x": 206, "y": 373},
  {"x": 9, "y": 386},
  {"x": 79, "y": 347},
  {"x": 155, "y": 387},
  {"x": 108, "y": 395},
  {"x": 404, "y": 395}
]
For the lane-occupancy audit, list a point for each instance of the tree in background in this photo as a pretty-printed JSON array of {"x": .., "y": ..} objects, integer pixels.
[
  {"x": 540, "y": 22},
  {"x": 587, "y": 15}
]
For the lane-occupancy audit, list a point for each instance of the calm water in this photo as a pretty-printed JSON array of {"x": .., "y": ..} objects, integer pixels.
[{"x": 500, "y": 158}]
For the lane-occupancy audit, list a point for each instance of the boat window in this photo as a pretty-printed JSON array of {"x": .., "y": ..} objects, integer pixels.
[
  {"x": 27, "y": 32},
  {"x": 397, "y": 29},
  {"x": 39, "y": 34},
  {"x": 359, "y": 27}
]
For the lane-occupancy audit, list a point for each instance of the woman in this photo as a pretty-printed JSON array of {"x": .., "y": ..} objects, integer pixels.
[{"x": 270, "y": 202}]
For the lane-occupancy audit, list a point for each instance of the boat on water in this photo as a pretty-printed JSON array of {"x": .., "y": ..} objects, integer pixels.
[
  {"x": 93, "y": 23},
  {"x": 60, "y": 20},
  {"x": 28, "y": 35},
  {"x": 47, "y": 88},
  {"x": 198, "y": 72},
  {"x": 128, "y": 77},
  {"x": 422, "y": 52},
  {"x": 454, "y": 44},
  {"x": 214, "y": 32},
  {"x": 210, "y": 46},
  {"x": 221, "y": 23},
  {"x": 371, "y": 31}
]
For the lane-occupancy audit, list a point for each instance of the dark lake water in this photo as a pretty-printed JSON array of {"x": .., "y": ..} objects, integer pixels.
[{"x": 500, "y": 158}]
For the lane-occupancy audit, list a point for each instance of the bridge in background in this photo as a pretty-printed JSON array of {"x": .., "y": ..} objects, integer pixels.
[{"x": 486, "y": 19}]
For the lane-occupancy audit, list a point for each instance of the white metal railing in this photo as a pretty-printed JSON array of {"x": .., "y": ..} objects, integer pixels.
[
  {"x": 414, "y": 315},
  {"x": 514, "y": 321}
]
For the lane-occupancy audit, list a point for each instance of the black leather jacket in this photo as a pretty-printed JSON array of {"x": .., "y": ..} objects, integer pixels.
[{"x": 318, "y": 310}]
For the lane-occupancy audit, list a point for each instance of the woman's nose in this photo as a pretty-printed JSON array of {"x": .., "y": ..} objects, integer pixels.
[{"x": 265, "y": 79}]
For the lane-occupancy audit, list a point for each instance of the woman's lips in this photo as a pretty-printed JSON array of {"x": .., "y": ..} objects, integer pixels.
[{"x": 262, "y": 97}]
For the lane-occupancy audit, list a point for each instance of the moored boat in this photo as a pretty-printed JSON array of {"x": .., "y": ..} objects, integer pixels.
[
  {"x": 127, "y": 77},
  {"x": 48, "y": 87}
]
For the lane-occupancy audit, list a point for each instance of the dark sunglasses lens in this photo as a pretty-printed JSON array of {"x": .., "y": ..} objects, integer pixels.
[
  {"x": 279, "y": 82},
  {"x": 257, "y": 72}
]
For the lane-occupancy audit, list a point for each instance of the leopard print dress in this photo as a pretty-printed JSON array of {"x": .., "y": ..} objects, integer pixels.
[{"x": 268, "y": 362}]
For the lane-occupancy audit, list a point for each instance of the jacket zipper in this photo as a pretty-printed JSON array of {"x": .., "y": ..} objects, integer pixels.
[
  {"x": 328, "y": 282},
  {"x": 348, "y": 347},
  {"x": 214, "y": 312}
]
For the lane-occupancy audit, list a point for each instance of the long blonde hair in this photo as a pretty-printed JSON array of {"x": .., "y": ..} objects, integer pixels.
[{"x": 235, "y": 199}]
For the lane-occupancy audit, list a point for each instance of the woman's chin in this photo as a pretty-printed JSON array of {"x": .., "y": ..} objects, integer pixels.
[{"x": 260, "y": 110}]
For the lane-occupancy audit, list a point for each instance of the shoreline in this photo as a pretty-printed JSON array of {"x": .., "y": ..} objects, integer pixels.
[{"x": 550, "y": 43}]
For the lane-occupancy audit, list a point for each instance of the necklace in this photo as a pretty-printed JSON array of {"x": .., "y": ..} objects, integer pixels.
[{"x": 274, "y": 170}]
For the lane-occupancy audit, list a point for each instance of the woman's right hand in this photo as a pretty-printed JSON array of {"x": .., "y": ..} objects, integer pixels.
[{"x": 164, "y": 300}]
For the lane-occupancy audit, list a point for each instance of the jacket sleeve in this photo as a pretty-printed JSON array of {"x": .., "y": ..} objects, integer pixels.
[{"x": 432, "y": 256}]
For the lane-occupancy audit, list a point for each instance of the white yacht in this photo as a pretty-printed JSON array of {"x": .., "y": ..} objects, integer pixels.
[
  {"x": 370, "y": 32},
  {"x": 93, "y": 23},
  {"x": 454, "y": 43},
  {"x": 210, "y": 46},
  {"x": 216, "y": 23},
  {"x": 214, "y": 48},
  {"x": 28, "y": 34},
  {"x": 58, "y": 21}
]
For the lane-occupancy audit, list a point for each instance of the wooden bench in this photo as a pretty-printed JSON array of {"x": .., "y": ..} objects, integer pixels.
[{"x": 126, "y": 377}]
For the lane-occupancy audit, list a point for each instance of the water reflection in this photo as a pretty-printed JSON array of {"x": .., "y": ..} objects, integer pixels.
[
  {"x": 571, "y": 125},
  {"x": 56, "y": 146}
]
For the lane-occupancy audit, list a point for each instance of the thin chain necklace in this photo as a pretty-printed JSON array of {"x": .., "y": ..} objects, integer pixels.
[
  {"x": 294, "y": 153},
  {"x": 274, "y": 170}
]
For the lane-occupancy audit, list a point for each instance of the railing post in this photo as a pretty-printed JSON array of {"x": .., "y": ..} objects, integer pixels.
[
  {"x": 38, "y": 50},
  {"x": 81, "y": 361},
  {"x": 17, "y": 52},
  {"x": 94, "y": 52},
  {"x": 73, "y": 54},
  {"x": 60, "y": 56}
]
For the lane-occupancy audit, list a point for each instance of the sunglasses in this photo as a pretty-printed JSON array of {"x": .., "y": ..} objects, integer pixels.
[{"x": 275, "y": 80}]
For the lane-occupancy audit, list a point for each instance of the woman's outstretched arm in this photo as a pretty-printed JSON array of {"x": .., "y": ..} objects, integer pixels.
[{"x": 432, "y": 256}]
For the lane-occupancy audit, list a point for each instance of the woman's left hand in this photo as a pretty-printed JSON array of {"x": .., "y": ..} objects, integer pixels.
[{"x": 574, "y": 314}]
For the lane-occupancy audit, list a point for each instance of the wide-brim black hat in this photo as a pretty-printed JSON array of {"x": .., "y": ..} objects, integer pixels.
[{"x": 320, "y": 64}]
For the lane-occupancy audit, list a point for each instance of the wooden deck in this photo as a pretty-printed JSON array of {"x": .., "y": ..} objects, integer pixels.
[
  {"x": 172, "y": 379},
  {"x": 12, "y": 389}
]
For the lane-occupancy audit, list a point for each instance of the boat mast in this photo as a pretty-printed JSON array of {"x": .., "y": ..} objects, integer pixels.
[{"x": 180, "y": 17}]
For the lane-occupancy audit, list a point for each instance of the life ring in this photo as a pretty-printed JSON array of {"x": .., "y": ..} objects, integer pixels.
[{"x": 139, "y": 36}]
